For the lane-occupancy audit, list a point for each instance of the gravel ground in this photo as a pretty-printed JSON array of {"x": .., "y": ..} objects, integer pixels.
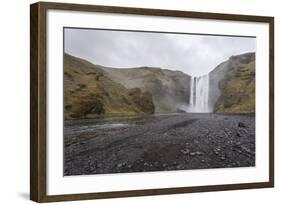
[{"x": 158, "y": 143}]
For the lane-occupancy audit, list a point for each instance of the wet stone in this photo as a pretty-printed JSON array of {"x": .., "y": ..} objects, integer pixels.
[
  {"x": 121, "y": 165},
  {"x": 199, "y": 153},
  {"x": 185, "y": 151},
  {"x": 239, "y": 134},
  {"x": 241, "y": 124},
  {"x": 192, "y": 154},
  {"x": 179, "y": 167}
]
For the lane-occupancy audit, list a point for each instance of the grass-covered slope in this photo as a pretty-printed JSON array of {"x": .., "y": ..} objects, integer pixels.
[
  {"x": 237, "y": 86},
  {"x": 88, "y": 92}
]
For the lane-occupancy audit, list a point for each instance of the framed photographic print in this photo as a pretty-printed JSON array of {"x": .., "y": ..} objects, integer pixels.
[{"x": 134, "y": 102}]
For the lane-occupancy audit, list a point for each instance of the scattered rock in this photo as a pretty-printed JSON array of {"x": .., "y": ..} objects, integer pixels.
[
  {"x": 192, "y": 154},
  {"x": 227, "y": 132},
  {"x": 185, "y": 151},
  {"x": 246, "y": 149},
  {"x": 241, "y": 124},
  {"x": 239, "y": 134},
  {"x": 156, "y": 163},
  {"x": 145, "y": 154},
  {"x": 175, "y": 163},
  {"x": 179, "y": 167},
  {"x": 242, "y": 133},
  {"x": 217, "y": 150},
  {"x": 120, "y": 165}
]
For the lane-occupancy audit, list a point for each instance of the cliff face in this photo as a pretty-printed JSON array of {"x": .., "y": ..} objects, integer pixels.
[
  {"x": 89, "y": 92},
  {"x": 232, "y": 85},
  {"x": 170, "y": 89}
]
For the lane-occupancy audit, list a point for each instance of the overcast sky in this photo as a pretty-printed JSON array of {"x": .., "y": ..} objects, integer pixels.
[{"x": 193, "y": 54}]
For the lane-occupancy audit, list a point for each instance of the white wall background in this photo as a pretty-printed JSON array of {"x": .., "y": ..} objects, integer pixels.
[{"x": 14, "y": 103}]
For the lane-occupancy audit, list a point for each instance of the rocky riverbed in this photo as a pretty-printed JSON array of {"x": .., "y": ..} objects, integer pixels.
[{"x": 158, "y": 143}]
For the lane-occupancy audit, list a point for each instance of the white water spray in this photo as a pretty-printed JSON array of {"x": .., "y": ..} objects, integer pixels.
[{"x": 199, "y": 94}]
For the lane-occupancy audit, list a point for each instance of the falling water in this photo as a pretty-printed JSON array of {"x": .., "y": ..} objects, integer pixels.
[
  {"x": 191, "y": 98},
  {"x": 199, "y": 94}
]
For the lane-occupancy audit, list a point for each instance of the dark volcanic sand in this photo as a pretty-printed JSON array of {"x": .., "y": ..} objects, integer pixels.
[{"x": 158, "y": 143}]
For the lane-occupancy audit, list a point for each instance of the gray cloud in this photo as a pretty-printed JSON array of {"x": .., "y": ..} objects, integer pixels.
[{"x": 193, "y": 54}]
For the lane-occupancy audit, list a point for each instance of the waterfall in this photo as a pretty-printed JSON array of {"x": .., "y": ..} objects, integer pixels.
[
  {"x": 191, "y": 98},
  {"x": 199, "y": 94}
]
